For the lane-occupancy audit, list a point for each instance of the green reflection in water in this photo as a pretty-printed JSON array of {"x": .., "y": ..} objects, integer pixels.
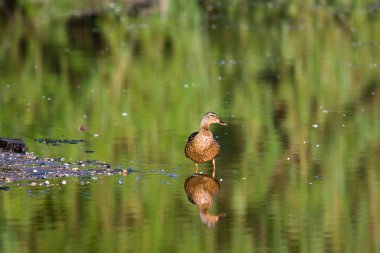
[{"x": 298, "y": 85}]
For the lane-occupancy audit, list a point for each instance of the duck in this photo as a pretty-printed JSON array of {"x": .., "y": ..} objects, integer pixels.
[
  {"x": 201, "y": 190},
  {"x": 201, "y": 146}
]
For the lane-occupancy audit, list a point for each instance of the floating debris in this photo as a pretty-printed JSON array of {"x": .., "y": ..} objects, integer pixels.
[
  {"x": 171, "y": 175},
  {"x": 56, "y": 142},
  {"x": 4, "y": 188},
  {"x": 128, "y": 171},
  {"x": 82, "y": 128}
]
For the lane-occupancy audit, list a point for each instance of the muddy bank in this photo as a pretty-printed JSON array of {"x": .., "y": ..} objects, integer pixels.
[
  {"x": 16, "y": 167},
  {"x": 16, "y": 164}
]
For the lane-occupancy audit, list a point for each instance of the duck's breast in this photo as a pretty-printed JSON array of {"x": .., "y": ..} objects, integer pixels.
[{"x": 202, "y": 147}]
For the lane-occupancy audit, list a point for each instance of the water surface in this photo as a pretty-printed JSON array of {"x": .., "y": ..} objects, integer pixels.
[{"x": 298, "y": 86}]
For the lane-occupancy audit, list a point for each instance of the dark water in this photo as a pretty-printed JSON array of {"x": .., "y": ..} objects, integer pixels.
[{"x": 298, "y": 86}]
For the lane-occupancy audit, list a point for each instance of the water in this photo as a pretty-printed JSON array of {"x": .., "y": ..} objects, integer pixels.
[{"x": 297, "y": 85}]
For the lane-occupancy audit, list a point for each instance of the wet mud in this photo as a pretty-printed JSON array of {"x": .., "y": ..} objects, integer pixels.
[{"x": 16, "y": 164}]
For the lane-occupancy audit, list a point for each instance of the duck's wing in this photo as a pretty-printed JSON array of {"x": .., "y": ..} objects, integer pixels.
[{"x": 192, "y": 136}]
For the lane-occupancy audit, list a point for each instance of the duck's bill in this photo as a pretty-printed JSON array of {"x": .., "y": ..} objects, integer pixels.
[{"x": 222, "y": 123}]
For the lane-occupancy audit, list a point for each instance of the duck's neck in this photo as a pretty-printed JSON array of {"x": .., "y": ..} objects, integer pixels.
[{"x": 204, "y": 126}]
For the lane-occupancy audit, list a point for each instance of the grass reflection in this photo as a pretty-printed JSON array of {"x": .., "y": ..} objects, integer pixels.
[{"x": 297, "y": 83}]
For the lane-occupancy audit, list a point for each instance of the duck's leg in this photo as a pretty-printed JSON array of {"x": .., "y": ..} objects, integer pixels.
[
  {"x": 196, "y": 166},
  {"x": 213, "y": 165}
]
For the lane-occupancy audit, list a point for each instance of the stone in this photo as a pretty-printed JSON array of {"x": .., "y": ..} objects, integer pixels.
[{"x": 13, "y": 145}]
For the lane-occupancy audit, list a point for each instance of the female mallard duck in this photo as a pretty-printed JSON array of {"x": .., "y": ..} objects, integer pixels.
[{"x": 202, "y": 146}]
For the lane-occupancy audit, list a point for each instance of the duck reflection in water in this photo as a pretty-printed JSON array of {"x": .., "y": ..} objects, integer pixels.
[{"x": 200, "y": 190}]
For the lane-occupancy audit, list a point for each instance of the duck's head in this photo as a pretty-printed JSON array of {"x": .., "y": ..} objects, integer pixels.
[{"x": 211, "y": 118}]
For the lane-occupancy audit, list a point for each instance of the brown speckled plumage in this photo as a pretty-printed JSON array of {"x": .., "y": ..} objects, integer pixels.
[
  {"x": 200, "y": 190},
  {"x": 202, "y": 146}
]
